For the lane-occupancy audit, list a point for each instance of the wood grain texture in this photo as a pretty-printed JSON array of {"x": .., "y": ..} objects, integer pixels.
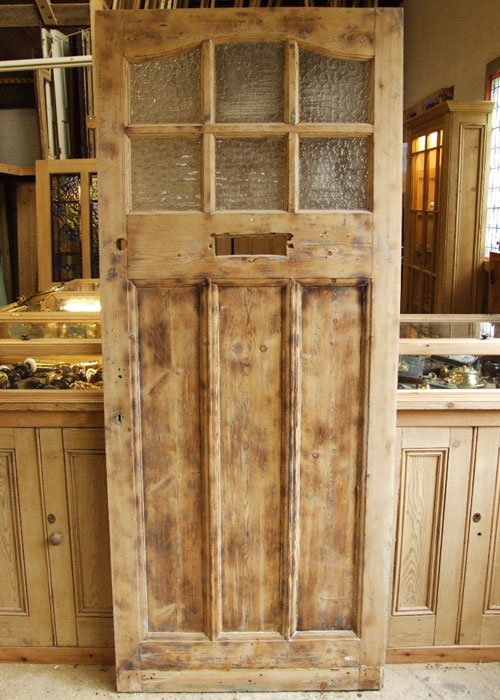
[
  {"x": 30, "y": 624},
  {"x": 171, "y": 456},
  {"x": 251, "y": 502},
  {"x": 88, "y": 516},
  {"x": 381, "y": 408},
  {"x": 26, "y": 238},
  {"x": 250, "y": 349},
  {"x": 348, "y": 34},
  {"x": 13, "y": 593},
  {"x": 446, "y": 654},
  {"x": 478, "y": 622},
  {"x": 331, "y": 436},
  {"x": 336, "y": 242},
  {"x": 59, "y": 557},
  {"x": 419, "y": 530}
]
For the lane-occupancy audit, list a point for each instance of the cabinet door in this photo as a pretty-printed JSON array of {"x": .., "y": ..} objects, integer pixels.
[
  {"x": 431, "y": 525},
  {"x": 480, "y": 621},
  {"x": 74, "y": 484},
  {"x": 25, "y": 618}
]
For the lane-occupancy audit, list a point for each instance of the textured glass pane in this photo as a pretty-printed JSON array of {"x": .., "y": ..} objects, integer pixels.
[
  {"x": 249, "y": 82},
  {"x": 334, "y": 173},
  {"x": 166, "y": 174},
  {"x": 94, "y": 226},
  {"x": 249, "y": 173},
  {"x": 331, "y": 90},
  {"x": 66, "y": 227},
  {"x": 167, "y": 90}
]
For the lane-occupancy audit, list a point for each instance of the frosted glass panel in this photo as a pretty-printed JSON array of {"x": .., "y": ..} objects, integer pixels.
[
  {"x": 166, "y": 174},
  {"x": 249, "y": 80},
  {"x": 331, "y": 90},
  {"x": 249, "y": 173},
  {"x": 167, "y": 90},
  {"x": 334, "y": 173}
]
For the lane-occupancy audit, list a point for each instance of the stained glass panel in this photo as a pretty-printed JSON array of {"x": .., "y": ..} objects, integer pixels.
[
  {"x": 249, "y": 82},
  {"x": 66, "y": 227},
  {"x": 166, "y": 174},
  {"x": 334, "y": 173},
  {"x": 167, "y": 90},
  {"x": 331, "y": 90},
  {"x": 249, "y": 173},
  {"x": 94, "y": 226}
]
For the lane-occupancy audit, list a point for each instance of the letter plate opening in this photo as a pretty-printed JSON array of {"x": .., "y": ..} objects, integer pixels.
[{"x": 269, "y": 244}]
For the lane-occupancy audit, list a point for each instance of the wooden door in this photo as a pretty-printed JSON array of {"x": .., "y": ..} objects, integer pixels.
[
  {"x": 74, "y": 485},
  {"x": 480, "y": 619},
  {"x": 249, "y": 165},
  {"x": 436, "y": 468},
  {"x": 25, "y": 618}
]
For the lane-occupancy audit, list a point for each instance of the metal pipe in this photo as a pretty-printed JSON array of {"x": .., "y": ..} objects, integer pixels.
[{"x": 35, "y": 63}]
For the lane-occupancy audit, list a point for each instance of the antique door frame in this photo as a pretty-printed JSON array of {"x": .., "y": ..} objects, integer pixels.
[{"x": 368, "y": 247}]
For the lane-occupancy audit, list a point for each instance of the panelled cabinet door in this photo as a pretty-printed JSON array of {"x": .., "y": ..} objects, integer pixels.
[
  {"x": 480, "y": 620},
  {"x": 25, "y": 618},
  {"x": 431, "y": 521},
  {"x": 249, "y": 203}
]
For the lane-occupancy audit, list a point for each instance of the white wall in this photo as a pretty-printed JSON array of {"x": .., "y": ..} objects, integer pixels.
[{"x": 449, "y": 42}]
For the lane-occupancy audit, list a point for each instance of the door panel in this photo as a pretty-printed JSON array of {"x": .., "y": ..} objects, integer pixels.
[
  {"x": 251, "y": 255},
  {"x": 25, "y": 618}
]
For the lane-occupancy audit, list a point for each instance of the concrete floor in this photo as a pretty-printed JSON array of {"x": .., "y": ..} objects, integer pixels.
[{"x": 403, "y": 682}]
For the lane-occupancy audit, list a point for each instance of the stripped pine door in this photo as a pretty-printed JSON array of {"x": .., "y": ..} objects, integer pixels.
[{"x": 249, "y": 166}]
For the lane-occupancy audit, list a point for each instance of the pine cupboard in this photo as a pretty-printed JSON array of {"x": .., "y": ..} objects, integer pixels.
[
  {"x": 445, "y": 208},
  {"x": 55, "y": 600},
  {"x": 446, "y": 572}
]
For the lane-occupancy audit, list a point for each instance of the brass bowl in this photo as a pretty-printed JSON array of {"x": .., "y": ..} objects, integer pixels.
[{"x": 466, "y": 377}]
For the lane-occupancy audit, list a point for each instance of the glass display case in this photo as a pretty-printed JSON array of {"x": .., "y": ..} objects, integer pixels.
[
  {"x": 449, "y": 352},
  {"x": 52, "y": 339}
]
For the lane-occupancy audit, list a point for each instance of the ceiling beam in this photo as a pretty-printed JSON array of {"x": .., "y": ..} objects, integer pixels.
[
  {"x": 67, "y": 15},
  {"x": 46, "y": 12}
]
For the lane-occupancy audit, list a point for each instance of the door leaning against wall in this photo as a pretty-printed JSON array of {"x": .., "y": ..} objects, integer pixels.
[{"x": 249, "y": 167}]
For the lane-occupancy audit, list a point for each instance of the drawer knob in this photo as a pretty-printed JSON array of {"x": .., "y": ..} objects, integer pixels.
[
  {"x": 55, "y": 539},
  {"x": 476, "y": 517}
]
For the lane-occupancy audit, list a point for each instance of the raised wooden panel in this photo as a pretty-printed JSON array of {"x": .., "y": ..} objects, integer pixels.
[
  {"x": 420, "y": 517},
  {"x": 25, "y": 619},
  {"x": 88, "y": 518},
  {"x": 169, "y": 366},
  {"x": 492, "y": 602},
  {"x": 331, "y": 435},
  {"x": 468, "y": 241},
  {"x": 13, "y": 593},
  {"x": 479, "y": 552},
  {"x": 250, "y": 346}
]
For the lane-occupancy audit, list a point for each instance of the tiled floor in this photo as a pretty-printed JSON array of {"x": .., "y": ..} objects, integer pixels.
[{"x": 402, "y": 682}]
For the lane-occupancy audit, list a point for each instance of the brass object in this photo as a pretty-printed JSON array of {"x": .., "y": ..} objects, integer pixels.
[
  {"x": 55, "y": 539},
  {"x": 465, "y": 377}
]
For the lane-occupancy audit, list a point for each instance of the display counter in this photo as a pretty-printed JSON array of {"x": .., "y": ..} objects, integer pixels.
[{"x": 56, "y": 594}]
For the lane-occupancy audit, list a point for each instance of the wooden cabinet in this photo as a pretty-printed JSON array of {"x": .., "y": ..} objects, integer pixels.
[
  {"x": 54, "y": 544},
  {"x": 445, "y": 208},
  {"x": 446, "y": 585}
]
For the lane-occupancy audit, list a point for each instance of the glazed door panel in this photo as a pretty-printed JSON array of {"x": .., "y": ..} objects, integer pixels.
[{"x": 250, "y": 286}]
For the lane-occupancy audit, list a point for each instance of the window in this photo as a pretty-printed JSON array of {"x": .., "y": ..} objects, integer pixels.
[{"x": 493, "y": 215}]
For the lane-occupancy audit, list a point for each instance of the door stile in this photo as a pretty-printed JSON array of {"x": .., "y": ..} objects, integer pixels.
[
  {"x": 123, "y": 492},
  {"x": 210, "y": 422},
  {"x": 383, "y": 362},
  {"x": 292, "y": 351}
]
